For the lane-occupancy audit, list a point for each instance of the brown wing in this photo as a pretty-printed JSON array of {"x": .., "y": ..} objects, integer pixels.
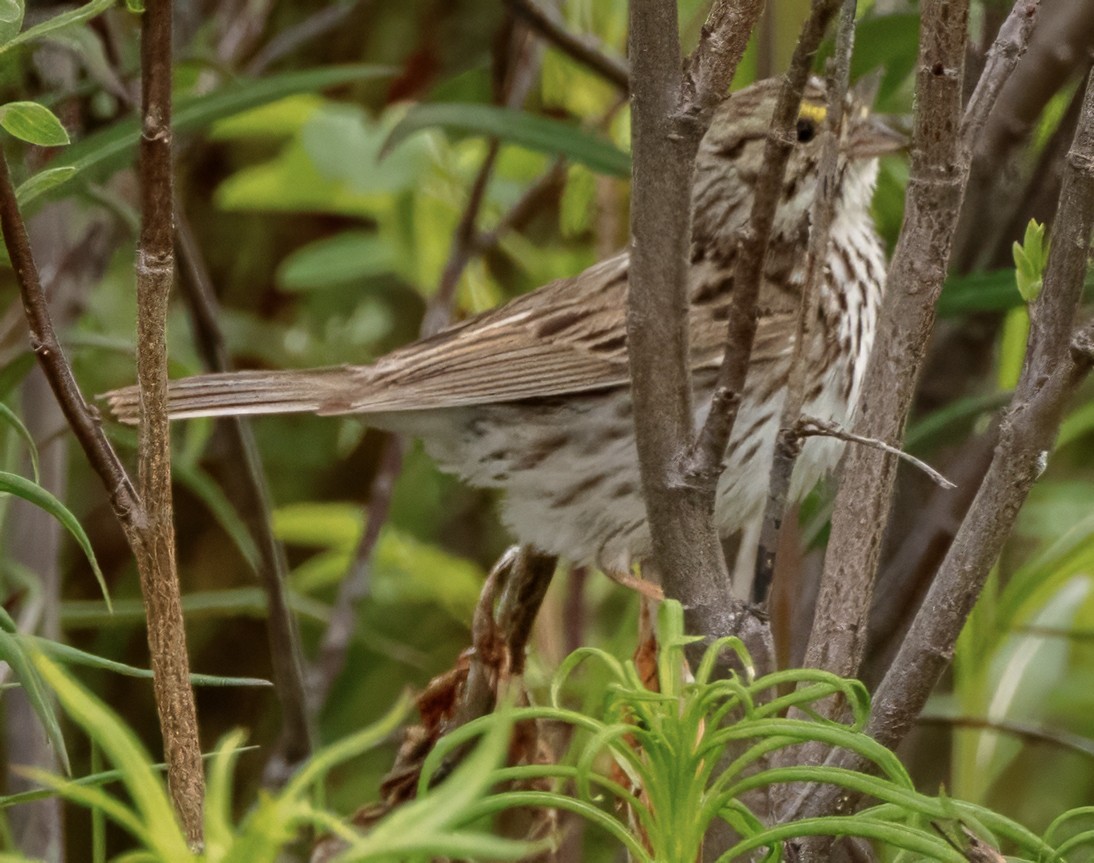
[{"x": 567, "y": 337}]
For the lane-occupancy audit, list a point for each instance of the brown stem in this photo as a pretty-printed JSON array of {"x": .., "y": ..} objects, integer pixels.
[
  {"x": 670, "y": 113},
  {"x": 915, "y": 279},
  {"x": 1009, "y": 45},
  {"x": 787, "y": 446},
  {"x": 334, "y": 647},
  {"x": 81, "y": 417},
  {"x": 159, "y": 578},
  {"x": 704, "y": 464}
]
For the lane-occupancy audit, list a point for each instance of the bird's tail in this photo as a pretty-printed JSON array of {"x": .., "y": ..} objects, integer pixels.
[{"x": 323, "y": 391}]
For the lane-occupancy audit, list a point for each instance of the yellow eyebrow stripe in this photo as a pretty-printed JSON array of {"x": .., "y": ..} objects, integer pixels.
[{"x": 813, "y": 111}]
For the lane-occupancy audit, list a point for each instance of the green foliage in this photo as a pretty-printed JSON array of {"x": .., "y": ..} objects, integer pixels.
[
  {"x": 13, "y": 651},
  {"x": 11, "y": 18},
  {"x": 51, "y": 25},
  {"x": 113, "y": 147},
  {"x": 435, "y": 824},
  {"x": 322, "y": 251}
]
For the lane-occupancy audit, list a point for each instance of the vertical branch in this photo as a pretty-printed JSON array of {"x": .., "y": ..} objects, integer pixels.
[
  {"x": 156, "y": 560},
  {"x": 670, "y": 114},
  {"x": 788, "y": 443},
  {"x": 657, "y": 338},
  {"x": 1056, "y": 362},
  {"x": 939, "y": 171}
]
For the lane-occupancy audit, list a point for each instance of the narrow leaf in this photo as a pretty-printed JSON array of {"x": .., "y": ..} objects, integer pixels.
[
  {"x": 8, "y": 415},
  {"x": 42, "y": 182},
  {"x": 75, "y": 16},
  {"x": 518, "y": 127},
  {"x": 13, "y": 653},
  {"x": 35, "y": 494}
]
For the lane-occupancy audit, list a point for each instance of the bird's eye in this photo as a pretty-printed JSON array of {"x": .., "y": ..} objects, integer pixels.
[{"x": 807, "y": 130}]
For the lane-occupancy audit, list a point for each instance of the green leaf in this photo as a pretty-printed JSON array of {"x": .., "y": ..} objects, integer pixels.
[
  {"x": 42, "y": 182},
  {"x": 11, "y": 19},
  {"x": 8, "y": 415},
  {"x": 112, "y": 148},
  {"x": 75, "y": 16},
  {"x": 35, "y": 494},
  {"x": 13, "y": 653},
  {"x": 349, "y": 257},
  {"x": 33, "y": 123},
  {"x": 74, "y": 656},
  {"x": 518, "y": 127}
]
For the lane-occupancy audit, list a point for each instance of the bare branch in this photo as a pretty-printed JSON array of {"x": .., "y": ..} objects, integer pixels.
[
  {"x": 583, "y": 49},
  {"x": 1010, "y": 44},
  {"x": 722, "y": 43},
  {"x": 159, "y": 577},
  {"x": 1051, "y": 374},
  {"x": 915, "y": 280},
  {"x": 337, "y": 638},
  {"x": 824, "y": 207},
  {"x": 748, "y": 276},
  {"x": 81, "y": 417},
  {"x": 667, "y": 124}
]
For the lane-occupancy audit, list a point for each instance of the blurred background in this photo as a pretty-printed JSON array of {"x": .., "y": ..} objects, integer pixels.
[{"x": 325, "y": 240}]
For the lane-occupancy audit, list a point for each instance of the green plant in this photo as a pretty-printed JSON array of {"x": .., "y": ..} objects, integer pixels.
[
  {"x": 437, "y": 823},
  {"x": 693, "y": 751}
]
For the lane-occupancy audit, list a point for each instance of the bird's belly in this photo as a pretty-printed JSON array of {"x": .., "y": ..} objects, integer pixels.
[{"x": 569, "y": 471}]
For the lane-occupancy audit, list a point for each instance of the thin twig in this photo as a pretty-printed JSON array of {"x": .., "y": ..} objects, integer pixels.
[
  {"x": 464, "y": 247},
  {"x": 704, "y": 462},
  {"x": 330, "y": 659},
  {"x": 583, "y": 49},
  {"x": 159, "y": 576},
  {"x": 1027, "y": 730},
  {"x": 286, "y": 654},
  {"x": 810, "y": 426},
  {"x": 1059, "y": 52},
  {"x": 324, "y": 21},
  {"x": 823, "y": 211},
  {"x": 1010, "y": 44},
  {"x": 82, "y": 418},
  {"x": 722, "y": 43}
]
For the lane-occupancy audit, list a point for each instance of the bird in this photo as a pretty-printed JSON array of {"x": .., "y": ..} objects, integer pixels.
[{"x": 533, "y": 398}]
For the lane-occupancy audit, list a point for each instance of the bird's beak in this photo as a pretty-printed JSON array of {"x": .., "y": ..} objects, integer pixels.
[{"x": 872, "y": 136}]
